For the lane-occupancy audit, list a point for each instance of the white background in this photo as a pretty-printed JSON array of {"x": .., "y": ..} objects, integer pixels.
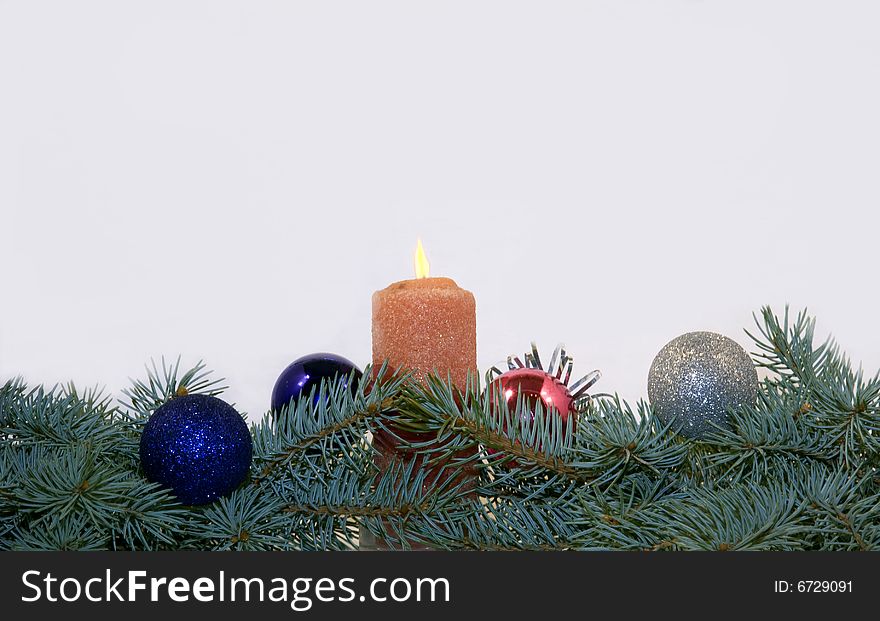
[{"x": 233, "y": 180}]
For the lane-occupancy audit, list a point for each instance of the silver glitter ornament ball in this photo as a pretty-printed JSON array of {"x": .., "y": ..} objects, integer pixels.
[{"x": 696, "y": 378}]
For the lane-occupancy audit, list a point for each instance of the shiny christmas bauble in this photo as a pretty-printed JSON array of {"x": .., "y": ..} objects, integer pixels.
[
  {"x": 534, "y": 386},
  {"x": 306, "y": 374}
]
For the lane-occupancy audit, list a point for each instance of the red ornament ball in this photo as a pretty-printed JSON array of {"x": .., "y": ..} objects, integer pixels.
[{"x": 536, "y": 385}]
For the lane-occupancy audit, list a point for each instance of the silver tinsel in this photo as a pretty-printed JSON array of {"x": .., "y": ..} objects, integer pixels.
[{"x": 696, "y": 378}]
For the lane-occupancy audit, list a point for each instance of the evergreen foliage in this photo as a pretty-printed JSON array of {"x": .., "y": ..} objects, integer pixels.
[{"x": 797, "y": 470}]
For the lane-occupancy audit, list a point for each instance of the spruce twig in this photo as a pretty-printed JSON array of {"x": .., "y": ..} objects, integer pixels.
[{"x": 796, "y": 470}]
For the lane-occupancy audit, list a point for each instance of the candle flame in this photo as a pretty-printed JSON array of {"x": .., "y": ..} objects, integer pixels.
[{"x": 423, "y": 268}]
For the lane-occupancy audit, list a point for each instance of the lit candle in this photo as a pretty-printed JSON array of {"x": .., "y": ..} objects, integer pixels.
[
  {"x": 423, "y": 326},
  {"x": 426, "y": 325}
]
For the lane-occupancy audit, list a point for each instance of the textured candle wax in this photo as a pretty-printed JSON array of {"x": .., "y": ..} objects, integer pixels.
[{"x": 426, "y": 325}]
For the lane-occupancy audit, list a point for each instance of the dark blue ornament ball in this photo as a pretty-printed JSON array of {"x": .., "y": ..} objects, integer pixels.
[
  {"x": 197, "y": 445},
  {"x": 305, "y": 373}
]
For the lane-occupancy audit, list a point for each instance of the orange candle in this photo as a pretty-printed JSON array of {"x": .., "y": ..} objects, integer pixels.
[{"x": 426, "y": 325}]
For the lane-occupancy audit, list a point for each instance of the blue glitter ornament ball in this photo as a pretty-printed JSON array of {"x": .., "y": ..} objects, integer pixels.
[
  {"x": 306, "y": 373},
  {"x": 197, "y": 445}
]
